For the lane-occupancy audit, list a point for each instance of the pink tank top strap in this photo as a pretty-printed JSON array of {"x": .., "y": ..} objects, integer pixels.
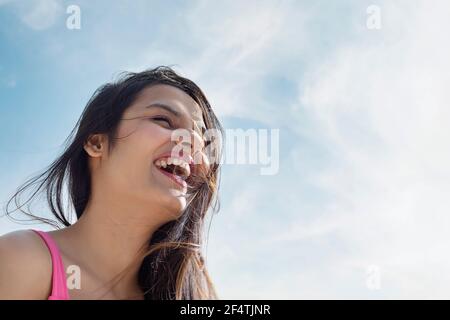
[{"x": 59, "y": 286}]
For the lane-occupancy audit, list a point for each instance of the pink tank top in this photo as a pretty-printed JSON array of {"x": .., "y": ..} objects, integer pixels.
[{"x": 59, "y": 286}]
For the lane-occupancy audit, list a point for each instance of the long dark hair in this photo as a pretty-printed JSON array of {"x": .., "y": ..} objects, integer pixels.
[{"x": 173, "y": 266}]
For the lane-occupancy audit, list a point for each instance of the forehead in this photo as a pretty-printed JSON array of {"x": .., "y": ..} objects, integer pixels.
[{"x": 171, "y": 96}]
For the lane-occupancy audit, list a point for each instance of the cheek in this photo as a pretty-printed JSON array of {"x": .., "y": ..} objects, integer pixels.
[
  {"x": 145, "y": 138},
  {"x": 151, "y": 139},
  {"x": 154, "y": 134},
  {"x": 131, "y": 167},
  {"x": 135, "y": 151}
]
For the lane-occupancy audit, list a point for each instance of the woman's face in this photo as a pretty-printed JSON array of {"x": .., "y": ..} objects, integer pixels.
[{"x": 144, "y": 136}]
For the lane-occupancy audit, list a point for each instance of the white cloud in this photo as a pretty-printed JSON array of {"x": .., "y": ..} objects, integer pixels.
[
  {"x": 231, "y": 47},
  {"x": 40, "y": 14},
  {"x": 380, "y": 107},
  {"x": 242, "y": 43},
  {"x": 371, "y": 111},
  {"x": 377, "y": 107}
]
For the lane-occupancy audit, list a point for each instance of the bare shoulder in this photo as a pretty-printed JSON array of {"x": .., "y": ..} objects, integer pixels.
[{"x": 25, "y": 266}]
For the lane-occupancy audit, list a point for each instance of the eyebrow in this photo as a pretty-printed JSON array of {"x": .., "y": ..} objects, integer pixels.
[{"x": 165, "y": 107}]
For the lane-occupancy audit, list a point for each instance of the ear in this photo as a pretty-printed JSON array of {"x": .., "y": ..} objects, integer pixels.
[{"x": 95, "y": 145}]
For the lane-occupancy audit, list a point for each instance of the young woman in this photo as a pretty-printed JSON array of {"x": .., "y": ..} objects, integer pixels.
[{"x": 140, "y": 206}]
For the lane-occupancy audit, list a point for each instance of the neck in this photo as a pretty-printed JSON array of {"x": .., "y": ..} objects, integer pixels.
[{"x": 113, "y": 237}]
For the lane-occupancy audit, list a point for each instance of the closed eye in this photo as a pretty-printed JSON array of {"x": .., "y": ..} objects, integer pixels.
[{"x": 163, "y": 119}]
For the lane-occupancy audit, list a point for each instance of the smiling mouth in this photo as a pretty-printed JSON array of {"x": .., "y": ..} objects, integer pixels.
[
  {"x": 177, "y": 179},
  {"x": 174, "y": 168}
]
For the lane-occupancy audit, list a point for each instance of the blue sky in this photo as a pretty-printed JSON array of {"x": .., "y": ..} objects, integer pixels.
[{"x": 362, "y": 113}]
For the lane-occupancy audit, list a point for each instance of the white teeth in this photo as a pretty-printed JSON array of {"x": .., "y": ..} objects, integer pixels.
[
  {"x": 174, "y": 161},
  {"x": 187, "y": 168}
]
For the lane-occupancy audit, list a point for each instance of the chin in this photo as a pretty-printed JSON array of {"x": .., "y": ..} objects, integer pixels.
[{"x": 175, "y": 202}]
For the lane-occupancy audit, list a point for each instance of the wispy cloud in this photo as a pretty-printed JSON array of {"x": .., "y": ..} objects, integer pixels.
[
  {"x": 42, "y": 14},
  {"x": 38, "y": 14},
  {"x": 373, "y": 192},
  {"x": 364, "y": 124},
  {"x": 379, "y": 106}
]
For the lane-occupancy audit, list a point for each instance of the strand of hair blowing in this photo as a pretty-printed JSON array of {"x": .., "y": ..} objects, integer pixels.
[
  {"x": 172, "y": 264},
  {"x": 189, "y": 279}
]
